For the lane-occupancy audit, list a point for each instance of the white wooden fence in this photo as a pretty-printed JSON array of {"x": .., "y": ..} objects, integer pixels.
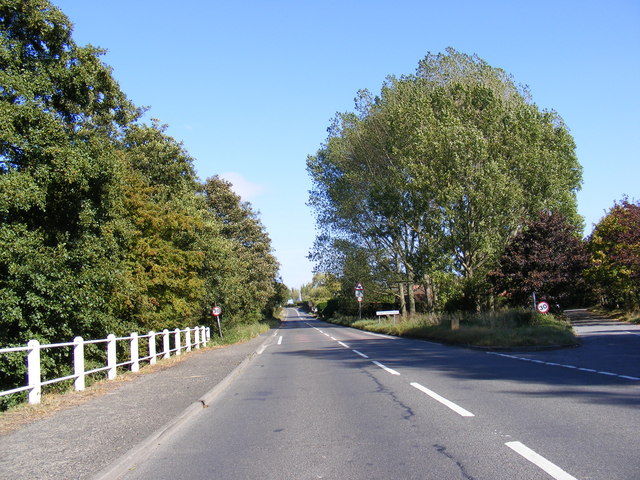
[{"x": 201, "y": 335}]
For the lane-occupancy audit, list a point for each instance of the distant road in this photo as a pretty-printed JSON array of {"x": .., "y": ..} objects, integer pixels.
[{"x": 327, "y": 402}]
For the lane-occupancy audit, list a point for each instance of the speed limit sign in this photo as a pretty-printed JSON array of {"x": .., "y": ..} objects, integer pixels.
[
  {"x": 216, "y": 311},
  {"x": 543, "y": 307}
]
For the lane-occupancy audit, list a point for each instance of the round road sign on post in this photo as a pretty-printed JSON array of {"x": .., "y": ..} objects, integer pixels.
[
  {"x": 543, "y": 307},
  {"x": 216, "y": 312}
]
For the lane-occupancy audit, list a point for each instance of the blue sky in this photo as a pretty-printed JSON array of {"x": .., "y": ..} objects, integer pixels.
[{"x": 250, "y": 87}]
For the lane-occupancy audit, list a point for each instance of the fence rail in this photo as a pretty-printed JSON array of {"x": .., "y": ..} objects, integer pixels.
[{"x": 201, "y": 335}]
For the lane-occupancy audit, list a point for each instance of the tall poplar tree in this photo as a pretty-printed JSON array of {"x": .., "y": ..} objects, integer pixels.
[{"x": 441, "y": 169}]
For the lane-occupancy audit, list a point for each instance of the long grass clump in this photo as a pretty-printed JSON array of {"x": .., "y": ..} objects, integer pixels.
[{"x": 512, "y": 328}]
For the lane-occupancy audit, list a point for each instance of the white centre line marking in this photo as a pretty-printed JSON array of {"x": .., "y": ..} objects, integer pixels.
[
  {"x": 384, "y": 367},
  {"x": 360, "y": 353},
  {"x": 280, "y": 340},
  {"x": 334, "y": 339},
  {"x": 456, "y": 408},
  {"x": 344, "y": 345},
  {"x": 538, "y": 460}
]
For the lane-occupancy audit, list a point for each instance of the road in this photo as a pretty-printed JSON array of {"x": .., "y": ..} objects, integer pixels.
[{"x": 321, "y": 401}]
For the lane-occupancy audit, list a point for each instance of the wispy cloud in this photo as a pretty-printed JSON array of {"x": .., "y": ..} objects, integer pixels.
[{"x": 243, "y": 187}]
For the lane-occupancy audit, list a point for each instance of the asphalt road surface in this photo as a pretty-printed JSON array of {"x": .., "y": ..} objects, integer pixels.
[{"x": 321, "y": 401}]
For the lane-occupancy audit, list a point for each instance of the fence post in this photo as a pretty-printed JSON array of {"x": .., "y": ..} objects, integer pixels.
[
  {"x": 111, "y": 356},
  {"x": 208, "y": 333},
  {"x": 33, "y": 371},
  {"x": 135, "y": 364},
  {"x": 152, "y": 347},
  {"x": 165, "y": 343},
  {"x": 177, "y": 336},
  {"x": 196, "y": 336},
  {"x": 78, "y": 363},
  {"x": 203, "y": 334},
  {"x": 188, "y": 339}
]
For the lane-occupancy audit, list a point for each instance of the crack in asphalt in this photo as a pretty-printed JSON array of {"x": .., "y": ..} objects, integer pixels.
[
  {"x": 394, "y": 398},
  {"x": 443, "y": 450}
]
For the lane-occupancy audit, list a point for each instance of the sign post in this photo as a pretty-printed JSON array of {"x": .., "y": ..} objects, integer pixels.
[
  {"x": 216, "y": 312},
  {"x": 359, "y": 295}
]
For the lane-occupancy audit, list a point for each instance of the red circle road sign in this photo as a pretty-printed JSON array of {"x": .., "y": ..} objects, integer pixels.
[
  {"x": 543, "y": 307},
  {"x": 216, "y": 311}
]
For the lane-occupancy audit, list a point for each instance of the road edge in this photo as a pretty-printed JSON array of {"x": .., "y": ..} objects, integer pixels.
[{"x": 129, "y": 461}]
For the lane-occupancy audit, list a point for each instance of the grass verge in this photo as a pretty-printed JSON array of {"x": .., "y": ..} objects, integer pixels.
[{"x": 511, "y": 329}]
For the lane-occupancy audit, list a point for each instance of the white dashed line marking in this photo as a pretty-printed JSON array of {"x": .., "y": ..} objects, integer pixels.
[
  {"x": 456, "y": 408},
  {"x": 280, "y": 340},
  {"x": 344, "y": 345},
  {"x": 360, "y": 353},
  {"x": 384, "y": 367},
  {"x": 541, "y": 462},
  {"x": 552, "y": 364}
]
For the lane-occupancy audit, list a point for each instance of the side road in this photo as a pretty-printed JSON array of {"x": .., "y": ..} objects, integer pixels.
[{"x": 80, "y": 442}]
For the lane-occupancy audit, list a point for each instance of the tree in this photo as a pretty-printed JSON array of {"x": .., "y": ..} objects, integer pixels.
[
  {"x": 441, "y": 170},
  {"x": 166, "y": 220},
  {"x": 615, "y": 249},
  {"x": 547, "y": 257},
  {"x": 60, "y": 178},
  {"x": 61, "y": 183},
  {"x": 250, "y": 282}
]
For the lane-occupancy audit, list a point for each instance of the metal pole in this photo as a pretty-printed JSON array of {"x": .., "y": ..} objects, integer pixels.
[{"x": 219, "y": 327}]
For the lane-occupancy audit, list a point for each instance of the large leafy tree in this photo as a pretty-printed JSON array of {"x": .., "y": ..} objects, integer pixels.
[
  {"x": 61, "y": 184},
  {"x": 250, "y": 283},
  {"x": 441, "y": 169},
  {"x": 61, "y": 188},
  {"x": 104, "y": 225},
  {"x": 615, "y": 249},
  {"x": 547, "y": 257},
  {"x": 166, "y": 219}
]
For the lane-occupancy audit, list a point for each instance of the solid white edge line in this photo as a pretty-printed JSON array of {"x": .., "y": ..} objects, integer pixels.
[
  {"x": 538, "y": 460},
  {"x": 456, "y": 408},
  {"x": 380, "y": 335},
  {"x": 262, "y": 349},
  {"x": 360, "y": 353},
  {"x": 344, "y": 345},
  {"x": 384, "y": 367},
  {"x": 280, "y": 340}
]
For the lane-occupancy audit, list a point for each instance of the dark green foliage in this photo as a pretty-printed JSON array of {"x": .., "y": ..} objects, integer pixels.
[{"x": 104, "y": 226}]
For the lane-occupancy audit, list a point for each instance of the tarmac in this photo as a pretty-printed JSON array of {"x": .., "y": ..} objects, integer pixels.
[{"x": 97, "y": 439}]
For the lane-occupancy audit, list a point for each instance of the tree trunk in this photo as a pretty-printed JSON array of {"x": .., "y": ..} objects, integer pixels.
[
  {"x": 403, "y": 302},
  {"x": 412, "y": 300}
]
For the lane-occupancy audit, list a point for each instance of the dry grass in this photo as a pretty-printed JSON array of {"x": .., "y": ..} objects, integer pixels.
[{"x": 501, "y": 329}]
